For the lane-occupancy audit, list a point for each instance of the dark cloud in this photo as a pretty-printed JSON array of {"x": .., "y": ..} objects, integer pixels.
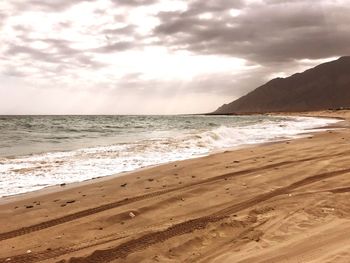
[
  {"x": 60, "y": 5},
  {"x": 115, "y": 39},
  {"x": 113, "y": 47},
  {"x": 52, "y": 5},
  {"x": 198, "y": 6},
  {"x": 128, "y": 30},
  {"x": 61, "y": 57},
  {"x": 274, "y": 31},
  {"x": 35, "y": 54},
  {"x": 58, "y": 49}
]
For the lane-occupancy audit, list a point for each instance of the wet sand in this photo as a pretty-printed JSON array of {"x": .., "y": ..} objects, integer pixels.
[{"x": 277, "y": 202}]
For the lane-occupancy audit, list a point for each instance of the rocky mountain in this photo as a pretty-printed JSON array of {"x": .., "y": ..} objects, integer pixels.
[{"x": 326, "y": 86}]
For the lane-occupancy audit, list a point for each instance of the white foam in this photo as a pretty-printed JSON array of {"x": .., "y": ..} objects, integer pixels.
[{"x": 29, "y": 173}]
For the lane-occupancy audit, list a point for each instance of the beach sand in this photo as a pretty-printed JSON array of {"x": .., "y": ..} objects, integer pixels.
[{"x": 277, "y": 202}]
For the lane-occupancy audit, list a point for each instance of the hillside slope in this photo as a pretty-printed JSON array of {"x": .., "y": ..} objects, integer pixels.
[{"x": 323, "y": 87}]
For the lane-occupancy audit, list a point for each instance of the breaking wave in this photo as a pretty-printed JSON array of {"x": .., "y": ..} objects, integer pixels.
[{"x": 26, "y": 173}]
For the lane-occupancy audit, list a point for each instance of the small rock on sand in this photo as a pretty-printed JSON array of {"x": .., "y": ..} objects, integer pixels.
[
  {"x": 132, "y": 215},
  {"x": 123, "y": 185}
]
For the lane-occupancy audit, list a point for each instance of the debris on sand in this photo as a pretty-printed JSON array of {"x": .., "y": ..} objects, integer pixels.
[{"x": 132, "y": 215}]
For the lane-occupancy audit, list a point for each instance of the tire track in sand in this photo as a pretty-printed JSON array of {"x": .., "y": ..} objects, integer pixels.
[
  {"x": 91, "y": 211},
  {"x": 122, "y": 250},
  {"x": 134, "y": 245}
]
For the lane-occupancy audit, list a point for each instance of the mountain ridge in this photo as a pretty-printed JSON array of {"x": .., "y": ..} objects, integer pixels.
[{"x": 326, "y": 86}]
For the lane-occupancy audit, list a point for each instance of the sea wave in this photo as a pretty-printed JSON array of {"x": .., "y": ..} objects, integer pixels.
[{"x": 32, "y": 172}]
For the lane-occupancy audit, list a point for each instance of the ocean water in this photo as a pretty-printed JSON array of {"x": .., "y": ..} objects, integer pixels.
[{"x": 40, "y": 151}]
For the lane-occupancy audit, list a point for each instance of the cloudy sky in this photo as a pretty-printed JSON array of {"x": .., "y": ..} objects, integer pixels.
[{"x": 157, "y": 56}]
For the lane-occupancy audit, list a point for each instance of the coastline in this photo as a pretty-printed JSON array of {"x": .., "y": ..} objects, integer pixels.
[
  {"x": 121, "y": 210},
  {"x": 68, "y": 185}
]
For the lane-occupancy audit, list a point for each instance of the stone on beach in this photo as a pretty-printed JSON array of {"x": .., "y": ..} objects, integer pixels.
[{"x": 132, "y": 215}]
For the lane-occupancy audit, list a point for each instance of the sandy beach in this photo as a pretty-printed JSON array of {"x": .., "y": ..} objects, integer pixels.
[{"x": 278, "y": 202}]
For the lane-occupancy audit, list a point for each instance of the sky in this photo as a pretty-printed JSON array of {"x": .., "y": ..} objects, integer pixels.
[{"x": 157, "y": 56}]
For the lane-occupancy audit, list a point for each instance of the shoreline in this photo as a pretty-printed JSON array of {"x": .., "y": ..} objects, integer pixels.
[
  {"x": 59, "y": 187},
  {"x": 265, "y": 203}
]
